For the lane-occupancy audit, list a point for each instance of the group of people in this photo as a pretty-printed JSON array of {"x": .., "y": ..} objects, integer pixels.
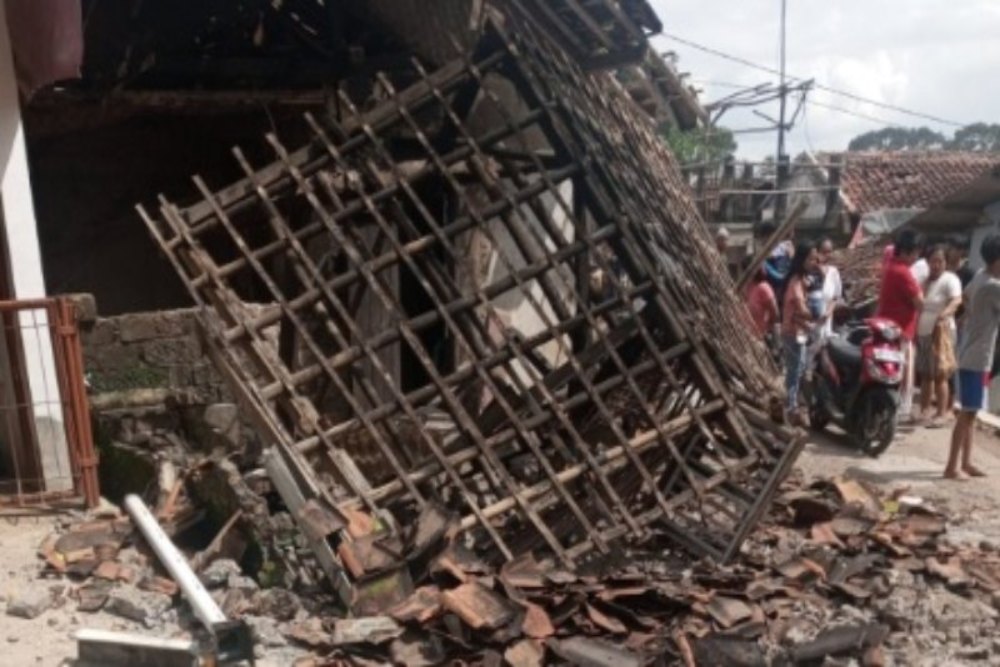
[
  {"x": 792, "y": 300},
  {"x": 949, "y": 317}
]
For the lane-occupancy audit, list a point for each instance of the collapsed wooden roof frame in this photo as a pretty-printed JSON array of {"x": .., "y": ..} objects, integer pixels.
[{"x": 654, "y": 422}]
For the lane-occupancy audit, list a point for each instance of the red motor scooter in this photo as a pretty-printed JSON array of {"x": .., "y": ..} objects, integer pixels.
[{"x": 855, "y": 383}]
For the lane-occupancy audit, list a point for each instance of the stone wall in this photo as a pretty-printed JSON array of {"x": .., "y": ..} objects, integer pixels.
[
  {"x": 155, "y": 397},
  {"x": 159, "y": 352}
]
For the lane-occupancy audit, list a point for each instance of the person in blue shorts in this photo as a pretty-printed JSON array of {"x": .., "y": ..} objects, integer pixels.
[{"x": 976, "y": 350}]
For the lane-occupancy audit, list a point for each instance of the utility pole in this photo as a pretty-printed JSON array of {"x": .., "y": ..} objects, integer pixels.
[{"x": 782, "y": 166}]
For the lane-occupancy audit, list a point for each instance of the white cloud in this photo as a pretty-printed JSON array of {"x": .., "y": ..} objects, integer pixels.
[{"x": 939, "y": 57}]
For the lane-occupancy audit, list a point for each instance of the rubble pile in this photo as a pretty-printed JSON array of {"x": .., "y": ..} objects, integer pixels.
[
  {"x": 486, "y": 291},
  {"x": 835, "y": 572}
]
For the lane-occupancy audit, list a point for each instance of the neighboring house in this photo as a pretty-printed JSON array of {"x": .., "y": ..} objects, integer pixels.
[
  {"x": 973, "y": 211},
  {"x": 876, "y": 193}
]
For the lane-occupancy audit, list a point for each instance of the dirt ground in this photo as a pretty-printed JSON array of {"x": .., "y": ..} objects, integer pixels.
[{"x": 915, "y": 462}]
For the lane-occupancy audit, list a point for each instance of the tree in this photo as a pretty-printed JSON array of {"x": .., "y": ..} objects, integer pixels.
[
  {"x": 899, "y": 139},
  {"x": 979, "y": 137},
  {"x": 699, "y": 145}
]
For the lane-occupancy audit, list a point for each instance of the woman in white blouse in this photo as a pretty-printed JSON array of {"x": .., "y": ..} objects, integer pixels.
[{"x": 942, "y": 298}]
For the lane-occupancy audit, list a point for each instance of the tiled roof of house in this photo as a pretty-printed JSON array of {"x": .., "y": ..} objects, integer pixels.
[{"x": 908, "y": 179}]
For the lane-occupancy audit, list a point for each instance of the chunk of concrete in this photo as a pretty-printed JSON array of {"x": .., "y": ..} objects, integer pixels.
[
  {"x": 217, "y": 574},
  {"x": 144, "y": 607},
  {"x": 277, "y": 603},
  {"x": 224, "y": 420},
  {"x": 266, "y": 631},
  {"x": 30, "y": 604}
]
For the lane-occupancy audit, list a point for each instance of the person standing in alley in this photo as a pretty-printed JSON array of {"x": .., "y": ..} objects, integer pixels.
[
  {"x": 936, "y": 335},
  {"x": 976, "y": 351},
  {"x": 833, "y": 287},
  {"x": 900, "y": 300},
  {"x": 797, "y": 322}
]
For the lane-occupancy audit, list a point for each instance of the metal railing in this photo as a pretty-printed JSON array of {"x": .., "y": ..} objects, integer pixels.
[{"x": 47, "y": 454}]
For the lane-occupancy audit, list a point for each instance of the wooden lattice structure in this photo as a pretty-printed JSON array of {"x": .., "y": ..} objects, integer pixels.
[{"x": 490, "y": 292}]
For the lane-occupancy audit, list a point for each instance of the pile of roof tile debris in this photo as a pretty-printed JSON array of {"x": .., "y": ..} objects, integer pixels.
[
  {"x": 861, "y": 271},
  {"x": 835, "y": 572},
  {"x": 488, "y": 291}
]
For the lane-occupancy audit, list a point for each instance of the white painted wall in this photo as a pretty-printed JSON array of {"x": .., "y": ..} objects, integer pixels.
[
  {"x": 18, "y": 216},
  {"x": 531, "y": 316}
]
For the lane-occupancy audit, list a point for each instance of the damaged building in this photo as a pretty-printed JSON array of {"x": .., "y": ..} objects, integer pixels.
[{"x": 450, "y": 273}]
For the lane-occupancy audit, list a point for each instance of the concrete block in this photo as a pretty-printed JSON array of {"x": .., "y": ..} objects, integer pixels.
[
  {"x": 30, "y": 604},
  {"x": 223, "y": 419},
  {"x": 140, "y": 606}
]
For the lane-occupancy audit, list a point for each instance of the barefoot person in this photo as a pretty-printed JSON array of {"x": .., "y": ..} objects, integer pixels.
[{"x": 975, "y": 357}]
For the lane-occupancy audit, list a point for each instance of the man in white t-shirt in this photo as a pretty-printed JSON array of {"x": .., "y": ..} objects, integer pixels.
[{"x": 942, "y": 298}]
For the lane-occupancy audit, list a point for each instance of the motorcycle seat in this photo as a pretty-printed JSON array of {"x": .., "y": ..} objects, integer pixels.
[{"x": 844, "y": 353}]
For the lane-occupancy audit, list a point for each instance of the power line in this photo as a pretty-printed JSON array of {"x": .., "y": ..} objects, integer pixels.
[
  {"x": 828, "y": 89},
  {"x": 849, "y": 112},
  {"x": 810, "y": 102}
]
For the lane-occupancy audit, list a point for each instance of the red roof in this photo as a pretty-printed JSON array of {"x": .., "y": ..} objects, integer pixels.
[{"x": 908, "y": 179}]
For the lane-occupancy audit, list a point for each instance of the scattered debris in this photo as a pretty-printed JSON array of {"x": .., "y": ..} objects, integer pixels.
[{"x": 889, "y": 589}]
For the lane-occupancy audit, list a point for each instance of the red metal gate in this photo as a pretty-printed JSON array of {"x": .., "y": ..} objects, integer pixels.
[{"x": 47, "y": 452}]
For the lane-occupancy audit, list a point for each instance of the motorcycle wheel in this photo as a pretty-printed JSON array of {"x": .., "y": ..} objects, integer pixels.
[{"x": 875, "y": 426}]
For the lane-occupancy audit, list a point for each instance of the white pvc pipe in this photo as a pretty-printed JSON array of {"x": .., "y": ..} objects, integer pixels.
[{"x": 205, "y": 608}]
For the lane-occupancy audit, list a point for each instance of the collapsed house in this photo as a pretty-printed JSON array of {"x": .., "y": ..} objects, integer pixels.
[
  {"x": 470, "y": 281},
  {"x": 486, "y": 288}
]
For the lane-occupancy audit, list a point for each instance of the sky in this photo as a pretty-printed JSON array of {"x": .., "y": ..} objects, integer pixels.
[{"x": 937, "y": 57}]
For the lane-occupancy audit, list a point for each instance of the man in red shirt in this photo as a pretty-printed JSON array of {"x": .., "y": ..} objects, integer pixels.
[{"x": 900, "y": 300}]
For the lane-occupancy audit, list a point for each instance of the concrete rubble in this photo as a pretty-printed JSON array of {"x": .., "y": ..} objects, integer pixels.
[{"x": 834, "y": 574}]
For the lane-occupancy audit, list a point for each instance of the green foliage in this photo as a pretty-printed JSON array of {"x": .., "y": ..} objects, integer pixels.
[
  {"x": 978, "y": 137},
  {"x": 898, "y": 139},
  {"x": 699, "y": 145}
]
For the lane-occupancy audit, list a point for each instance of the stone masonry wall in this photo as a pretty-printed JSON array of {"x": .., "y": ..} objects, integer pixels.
[
  {"x": 160, "y": 351},
  {"x": 155, "y": 396}
]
